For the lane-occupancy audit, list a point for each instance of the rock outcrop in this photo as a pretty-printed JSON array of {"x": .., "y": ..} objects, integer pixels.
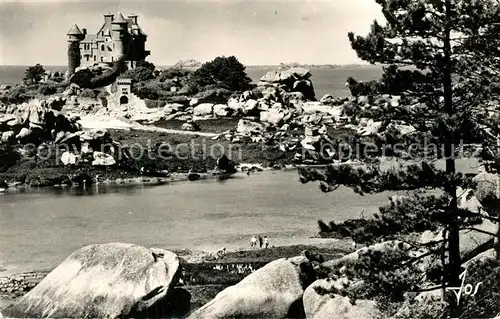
[
  {"x": 35, "y": 122},
  {"x": 291, "y": 80},
  {"x": 319, "y": 304},
  {"x": 204, "y": 109},
  {"x": 102, "y": 281},
  {"x": 273, "y": 291}
]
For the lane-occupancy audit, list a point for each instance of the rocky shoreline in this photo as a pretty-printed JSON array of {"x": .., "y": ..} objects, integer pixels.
[{"x": 200, "y": 270}]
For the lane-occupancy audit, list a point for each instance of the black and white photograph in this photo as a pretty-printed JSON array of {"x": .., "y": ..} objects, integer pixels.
[{"x": 301, "y": 159}]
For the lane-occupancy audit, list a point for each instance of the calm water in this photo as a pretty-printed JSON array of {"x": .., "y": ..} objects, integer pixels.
[
  {"x": 41, "y": 228},
  {"x": 325, "y": 80}
]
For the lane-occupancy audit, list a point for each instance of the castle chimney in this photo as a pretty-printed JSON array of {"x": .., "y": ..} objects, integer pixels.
[
  {"x": 84, "y": 31},
  {"x": 109, "y": 17},
  {"x": 133, "y": 17}
]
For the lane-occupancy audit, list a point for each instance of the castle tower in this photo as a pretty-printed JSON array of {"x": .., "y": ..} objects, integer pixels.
[
  {"x": 75, "y": 35},
  {"x": 118, "y": 30}
]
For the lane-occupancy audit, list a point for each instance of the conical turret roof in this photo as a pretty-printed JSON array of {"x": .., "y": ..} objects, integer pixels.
[
  {"x": 119, "y": 19},
  {"x": 75, "y": 30}
]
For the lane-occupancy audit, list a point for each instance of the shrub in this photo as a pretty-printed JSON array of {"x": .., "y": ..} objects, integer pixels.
[
  {"x": 224, "y": 72},
  {"x": 8, "y": 157},
  {"x": 145, "y": 64},
  {"x": 153, "y": 104},
  {"x": 153, "y": 90},
  {"x": 82, "y": 78},
  {"x": 17, "y": 95},
  {"x": 214, "y": 95},
  {"x": 139, "y": 74},
  {"x": 146, "y": 93},
  {"x": 172, "y": 73},
  {"x": 48, "y": 88},
  {"x": 105, "y": 79},
  {"x": 96, "y": 77}
]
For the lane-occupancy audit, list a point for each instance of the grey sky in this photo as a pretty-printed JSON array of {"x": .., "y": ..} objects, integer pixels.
[{"x": 256, "y": 32}]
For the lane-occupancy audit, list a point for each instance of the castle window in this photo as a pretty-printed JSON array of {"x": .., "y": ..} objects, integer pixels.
[
  {"x": 102, "y": 59},
  {"x": 102, "y": 33},
  {"x": 102, "y": 47},
  {"x": 87, "y": 58},
  {"x": 95, "y": 58}
]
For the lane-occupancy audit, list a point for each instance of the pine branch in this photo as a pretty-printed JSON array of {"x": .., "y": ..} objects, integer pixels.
[{"x": 480, "y": 231}]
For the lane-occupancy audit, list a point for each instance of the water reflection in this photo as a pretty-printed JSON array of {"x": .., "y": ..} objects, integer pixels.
[
  {"x": 103, "y": 189},
  {"x": 96, "y": 189}
]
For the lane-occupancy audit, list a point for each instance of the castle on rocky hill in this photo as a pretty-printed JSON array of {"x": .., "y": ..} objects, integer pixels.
[{"x": 117, "y": 39}]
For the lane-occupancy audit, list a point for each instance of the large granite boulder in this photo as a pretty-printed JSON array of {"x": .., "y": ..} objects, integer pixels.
[
  {"x": 273, "y": 76},
  {"x": 273, "y": 291},
  {"x": 24, "y": 135},
  {"x": 286, "y": 76},
  {"x": 250, "y": 107},
  {"x": 8, "y": 136},
  {"x": 221, "y": 110},
  {"x": 68, "y": 158},
  {"x": 487, "y": 185},
  {"x": 103, "y": 281},
  {"x": 306, "y": 88},
  {"x": 235, "y": 105},
  {"x": 56, "y": 103},
  {"x": 73, "y": 90},
  {"x": 204, "y": 109},
  {"x": 6, "y": 118},
  {"x": 172, "y": 108},
  {"x": 272, "y": 116},
  {"x": 321, "y": 305},
  {"x": 103, "y": 159}
]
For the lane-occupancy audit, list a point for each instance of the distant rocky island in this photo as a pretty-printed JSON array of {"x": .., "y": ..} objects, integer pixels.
[{"x": 194, "y": 64}]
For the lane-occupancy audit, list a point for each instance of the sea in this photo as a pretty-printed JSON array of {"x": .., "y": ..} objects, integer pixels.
[{"x": 326, "y": 80}]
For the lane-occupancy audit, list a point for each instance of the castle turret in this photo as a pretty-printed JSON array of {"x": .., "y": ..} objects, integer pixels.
[
  {"x": 75, "y": 35},
  {"x": 108, "y": 17},
  {"x": 118, "y": 35},
  {"x": 133, "y": 17}
]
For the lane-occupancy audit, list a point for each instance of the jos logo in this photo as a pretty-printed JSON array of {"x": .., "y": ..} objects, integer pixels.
[{"x": 467, "y": 290}]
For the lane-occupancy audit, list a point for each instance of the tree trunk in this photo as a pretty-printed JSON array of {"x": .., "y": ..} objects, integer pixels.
[
  {"x": 497, "y": 194},
  {"x": 454, "y": 260}
]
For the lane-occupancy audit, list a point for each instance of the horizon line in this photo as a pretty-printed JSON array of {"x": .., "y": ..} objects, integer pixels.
[{"x": 246, "y": 65}]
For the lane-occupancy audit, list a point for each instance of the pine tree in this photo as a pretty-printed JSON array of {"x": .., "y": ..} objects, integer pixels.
[
  {"x": 442, "y": 58},
  {"x": 34, "y": 74}
]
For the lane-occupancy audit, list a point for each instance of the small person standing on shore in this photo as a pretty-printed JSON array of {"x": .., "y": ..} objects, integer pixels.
[
  {"x": 253, "y": 242},
  {"x": 260, "y": 241},
  {"x": 266, "y": 242}
]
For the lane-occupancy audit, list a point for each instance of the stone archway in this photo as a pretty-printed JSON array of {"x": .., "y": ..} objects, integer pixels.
[{"x": 124, "y": 100}]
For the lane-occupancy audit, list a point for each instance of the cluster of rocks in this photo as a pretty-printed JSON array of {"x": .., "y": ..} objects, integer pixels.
[
  {"x": 130, "y": 281},
  {"x": 40, "y": 123},
  {"x": 94, "y": 147},
  {"x": 35, "y": 122}
]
